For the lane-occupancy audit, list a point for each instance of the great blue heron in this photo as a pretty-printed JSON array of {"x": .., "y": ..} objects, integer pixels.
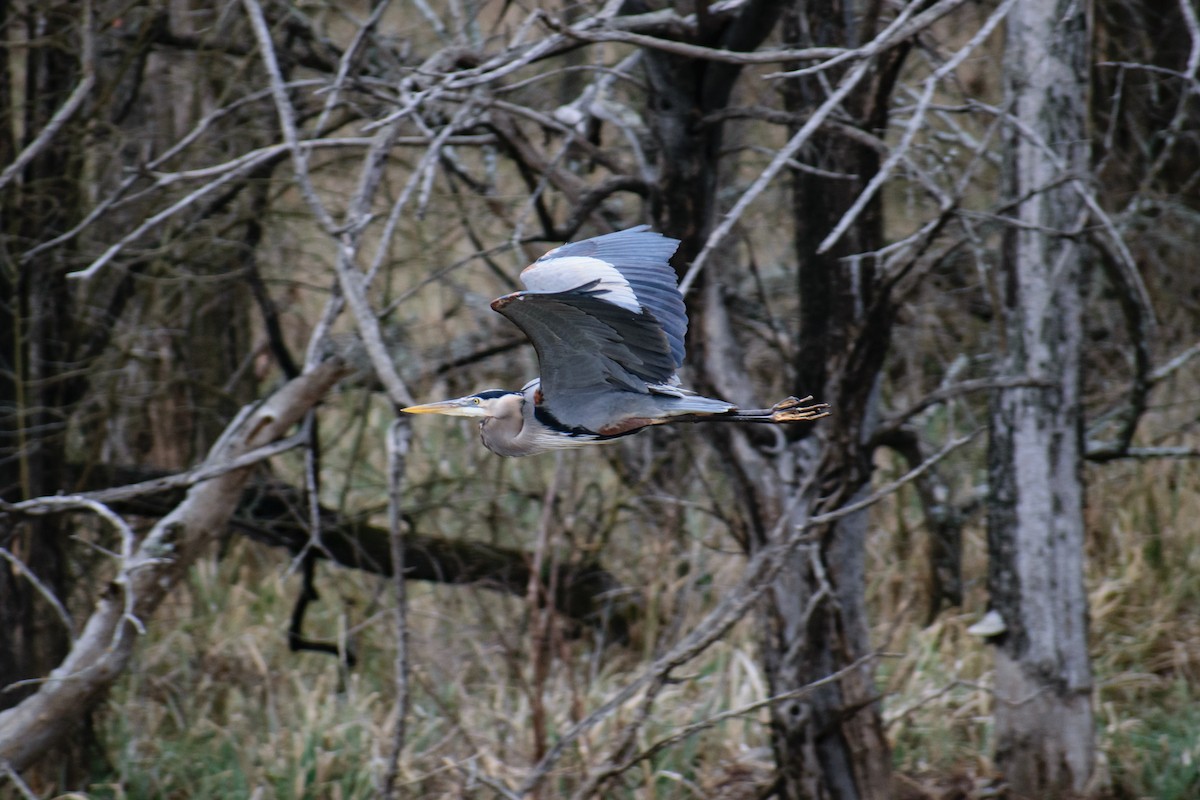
[{"x": 607, "y": 321}]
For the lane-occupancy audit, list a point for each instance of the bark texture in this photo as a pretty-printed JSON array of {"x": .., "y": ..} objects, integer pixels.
[
  {"x": 831, "y": 744},
  {"x": 1044, "y": 730}
]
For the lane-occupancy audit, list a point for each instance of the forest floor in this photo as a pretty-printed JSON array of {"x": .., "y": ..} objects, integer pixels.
[{"x": 216, "y": 706}]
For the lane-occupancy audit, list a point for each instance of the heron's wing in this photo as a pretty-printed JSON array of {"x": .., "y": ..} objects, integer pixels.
[
  {"x": 631, "y": 270},
  {"x": 587, "y": 349},
  {"x": 607, "y": 321}
]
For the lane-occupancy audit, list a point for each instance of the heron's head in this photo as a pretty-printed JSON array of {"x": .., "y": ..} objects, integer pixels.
[{"x": 494, "y": 403}]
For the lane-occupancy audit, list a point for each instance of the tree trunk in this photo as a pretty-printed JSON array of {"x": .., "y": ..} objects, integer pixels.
[
  {"x": 831, "y": 743},
  {"x": 1044, "y": 734}
]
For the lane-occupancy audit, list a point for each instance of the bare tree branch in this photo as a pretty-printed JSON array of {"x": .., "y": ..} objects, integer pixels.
[
  {"x": 22, "y": 569},
  {"x": 15, "y": 778},
  {"x": 102, "y": 650},
  {"x": 68, "y": 109},
  {"x": 886, "y": 38},
  {"x": 954, "y": 390},
  {"x": 287, "y": 114},
  {"x": 915, "y": 123},
  {"x": 56, "y": 503}
]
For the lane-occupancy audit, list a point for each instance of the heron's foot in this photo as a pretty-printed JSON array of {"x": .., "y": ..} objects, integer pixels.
[{"x": 793, "y": 409}]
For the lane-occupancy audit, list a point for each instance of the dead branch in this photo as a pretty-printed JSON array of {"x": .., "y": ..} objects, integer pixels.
[
  {"x": 68, "y": 109},
  {"x": 207, "y": 471},
  {"x": 1128, "y": 415},
  {"x": 154, "y": 566},
  {"x": 587, "y": 593},
  {"x": 897, "y": 31},
  {"x": 932, "y": 83}
]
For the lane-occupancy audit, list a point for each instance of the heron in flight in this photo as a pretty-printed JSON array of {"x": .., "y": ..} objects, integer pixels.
[{"x": 607, "y": 321}]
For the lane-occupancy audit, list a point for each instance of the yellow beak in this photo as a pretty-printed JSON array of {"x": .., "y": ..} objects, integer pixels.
[{"x": 459, "y": 407}]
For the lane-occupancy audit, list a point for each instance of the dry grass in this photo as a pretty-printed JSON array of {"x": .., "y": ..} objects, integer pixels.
[{"x": 217, "y": 706}]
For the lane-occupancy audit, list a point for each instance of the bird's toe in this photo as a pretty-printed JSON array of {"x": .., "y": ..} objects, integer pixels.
[
  {"x": 798, "y": 413},
  {"x": 790, "y": 402}
]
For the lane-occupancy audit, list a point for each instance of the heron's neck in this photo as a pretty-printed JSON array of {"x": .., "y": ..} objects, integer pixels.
[{"x": 501, "y": 433}]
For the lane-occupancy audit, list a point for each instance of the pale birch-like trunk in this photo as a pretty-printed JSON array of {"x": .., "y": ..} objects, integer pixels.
[{"x": 1043, "y": 716}]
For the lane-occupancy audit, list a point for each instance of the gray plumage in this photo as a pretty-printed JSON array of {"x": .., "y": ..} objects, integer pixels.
[{"x": 608, "y": 323}]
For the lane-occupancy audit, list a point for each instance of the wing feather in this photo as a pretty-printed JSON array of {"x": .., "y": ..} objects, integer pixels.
[
  {"x": 603, "y": 314},
  {"x": 639, "y": 257}
]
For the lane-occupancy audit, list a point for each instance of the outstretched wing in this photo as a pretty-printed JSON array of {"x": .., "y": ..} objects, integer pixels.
[
  {"x": 603, "y": 314},
  {"x": 634, "y": 272}
]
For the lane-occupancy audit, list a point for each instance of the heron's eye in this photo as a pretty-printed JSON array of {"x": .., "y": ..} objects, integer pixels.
[{"x": 476, "y": 401}]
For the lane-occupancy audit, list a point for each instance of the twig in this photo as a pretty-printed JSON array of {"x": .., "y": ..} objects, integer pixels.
[
  {"x": 67, "y": 110},
  {"x": 1175, "y": 364},
  {"x": 473, "y": 774},
  {"x": 702, "y": 53},
  {"x": 886, "y": 38},
  {"x": 626, "y": 740},
  {"x": 53, "y": 504},
  {"x": 352, "y": 282},
  {"x": 696, "y": 727},
  {"x": 828, "y": 57},
  {"x": 785, "y": 154},
  {"x": 45, "y": 591},
  {"x": 954, "y": 390},
  {"x": 312, "y": 494},
  {"x": 17, "y": 780},
  {"x": 1125, "y": 258},
  {"x": 899, "y": 30},
  {"x": 1170, "y": 136},
  {"x": 507, "y": 63},
  {"x": 286, "y": 114},
  {"x": 115, "y": 196},
  {"x": 236, "y": 168},
  {"x": 901, "y": 713},
  {"x": 339, "y": 79},
  {"x": 47, "y": 134},
  {"x": 915, "y": 124},
  {"x": 354, "y": 291},
  {"x": 1105, "y": 451}
]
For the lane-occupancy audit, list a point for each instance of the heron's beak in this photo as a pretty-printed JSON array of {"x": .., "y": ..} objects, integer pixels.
[{"x": 460, "y": 407}]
